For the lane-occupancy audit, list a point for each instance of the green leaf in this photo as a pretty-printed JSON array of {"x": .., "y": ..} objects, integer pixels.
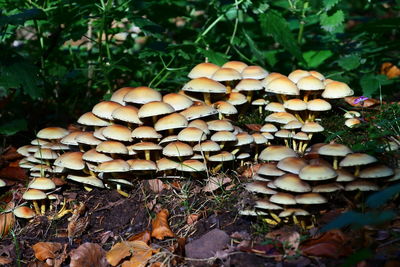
[
  {"x": 328, "y": 4},
  {"x": 214, "y": 57},
  {"x": 332, "y": 23},
  {"x": 378, "y": 199},
  {"x": 316, "y": 58},
  {"x": 350, "y": 62},
  {"x": 274, "y": 24},
  {"x": 370, "y": 83},
  {"x": 13, "y": 127},
  {"x": 21, "y": 18}
]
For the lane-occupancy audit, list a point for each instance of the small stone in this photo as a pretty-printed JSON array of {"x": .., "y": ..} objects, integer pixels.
[{"x": 207, "y": 245}]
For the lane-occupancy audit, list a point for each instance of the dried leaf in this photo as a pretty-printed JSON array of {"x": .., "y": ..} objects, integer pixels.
[
  {"x": 192, "y": 218},
  {"x": 142, "y": 236},
  {"x": 7, "y": 219},
  {"x": 46, "y": 250},
  {"x": 290, "y": 240},
  {"x": 254, "y": 127},
  {"x": 13, "y": 173},
  {"x": 5, "y": 260},
  {"x": 139, "y": 250},
  {"x": 88, "y": 254},
  {"x": 156, "y": 185},
  {"x": 250, "y": 171},
  {"x": 160, "y": 225},
  {"x": 390, "y": 70},
  {"x": 353, "y": 101},
  {"x": 216, "y": 182}
]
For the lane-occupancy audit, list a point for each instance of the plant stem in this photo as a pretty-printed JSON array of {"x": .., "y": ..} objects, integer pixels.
[
  {"x": 17, "y": 251},
  {"x": 301, "y": 28}
]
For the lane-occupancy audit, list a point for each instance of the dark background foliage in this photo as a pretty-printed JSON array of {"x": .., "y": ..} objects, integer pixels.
[{"x": 58, "y": 58}]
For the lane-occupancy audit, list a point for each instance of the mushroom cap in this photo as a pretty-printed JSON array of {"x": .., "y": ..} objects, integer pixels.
[
  {"x": 40, "y": 142},
  {"x": 292, "y": 182},
  {"x": 361, "y": 185},
  {"x": 336, "y": 90},
  {"x": 260, "y": 187},
  {"x": 142, "y": 146},
  {"x": 23, "y": 150},
  {"x": 226, "y": 74},
  {"x": 90, "y": 180},
  {"x": 283, "y": 199},
  {"x": 34, "y": 194},
  {"x": 52, "y": 133},
  {"x": 344, "y": 176},
  {"x": 87, "y": 138},
  {"x": 207, "y": 146},
  {"x": 191, "y": 165},
  {"x": 204, "y": 69},
  {"x": 291, "y": 125},
  {"x": 318, "y": 105},
  {"x": 118, "y": 96},
  {"x": 115, "y": 165},
  {"x": 70, "y": 139},
  {"x": 268, "y": 128},
  {"x": 220, "y": 125},
  {"x": 376, "y": 171},
  {"x": 145, "y": 132},
  {"x": 357, "y": 159},
  {"x": 317, "y": 173},
  {"x": 254, "y": 72},
  {"x": 249, "y": 85},
  {"x": 310, "y": 83},
  {"x": 293, "y": 212},
  {"x": 155, "y": 108},
  {"x": 259, "y": 138},
  {"x": 284, "y": 134},
  {"x": 225, "y": 108},
  {"x": 272, "y": 76},
  {"x": 89, "y": 119},
  {"x": 236, "y": 65},
  {"x": 142, "y": 165},
  {"x": 39, "y": 167},
  {"x": 177, "y": 101},
  {"x": 45, "y": 153},
  {"x": 42, "y": 183},
  {"x": 312, "y": 127},
  {"x": 177, "y": 149},
  {"x": 295, "y": 104},
  {"x": 252, "y": 213},
  {"x": 171, "y": 121},
  {"x": 243, "y": 156},
  {"x": 352, "y": 114},
  {"x": 282, "y": 85},
  {"x": 192, "y": 134},
  {"x": 236, "y": 98},
  {"x": 70, "y": 160},
  {"x": 301, "y": 136},
  {"x": 296, "y": 75},
  {"x": 316, "y": 74},
  {"x": 334, "y": 150},
  {"x": 223, "y": 136},
  {"x": 24, "y": 212},
  {"x": 352, "y": 122},
  {"x": 98, "y": 133},
  {"x": 127, "y": 114},
  {"x": 310, "y": 199},
  {"x": 276, "y": 153},
  {"x": 105, "y": 109},
  {"x": 168, "y": 139},
  {"x": 244, "y": 139},
  {"x": 275, "y": 107},
  {"x": 327, "y": 188},
  {"x": 93, "y": 156},
  {"x": 117, "y": 132},
  {"x": 222, "y": 157},
  {"x": 164, "y": 164},
  {"x": 260, "y": 102},
  {"x": 195, "y": 112},
  {"x": 113, "y": 147},
  {"x": 202, "y": 125},
  {"x": 280, "y": 117},
  {"x": 269, "y": 169},
  {"x": 291, "y": 164},
  {"x": 266, "y": 205},
  {"x": 142, "y": 95},
  {"x": 204, "y": 85}
]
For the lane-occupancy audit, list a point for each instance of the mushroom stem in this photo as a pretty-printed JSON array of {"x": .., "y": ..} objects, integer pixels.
[
  {"x": 207, "y": 98},
  {"x": 147, "y": 154},
  {"x": 260, "y": 110},
  {"x": 235, "y": 151},
  {"x": 294, "y": 145},
  {"x": 286, "y": 142},
  {"x": 87, "y": 188},
  {"x": 298, "y": 117},
  {"x": 36, "y": 206},
  {"x": 249, "y": 96},
  {"x": 43, "y": 208},
  {"x": 275, "y": 217},
  {"x": 357, "y": 171},
  {"x": 122, "y": 193},
  {"x": 216, "y": 168},
  {"x": 307, "y": 94},
  {"x": 335, "y": 162}
]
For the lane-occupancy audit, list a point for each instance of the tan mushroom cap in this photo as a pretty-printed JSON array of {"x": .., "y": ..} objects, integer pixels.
[
  {"x": 272, "y": 76},
  {"x": 34, "y": 194},
  {"x": 171, "y": 121},
  {"x": 70, "y": 160},
  {"x": 226, "y": 74},
  {"x": 259, "y": 102},
  {"x": 191, "y": 165},
  {"x": 177, "y": 149},
  {"x": 244, "y": 139},
  {"x": 266, "y": 205},
  {"x": 105, "y": 109},
  {"x": 260, "y": 187},
  {"x": 236, "y": 65},
  {"x": 145, "y": 132},
  {"x": 42, "y": 183},
  {"x": 195, "y": 112},
  {"x": 275, "y": 107},
  {"x": 225, "y": 108},
  {"x": 24, "y": 212},
  {"x": 223, "y": 136},
  {"x": 204, "y": 85},
  {"x": 45, "y": 153},
  {"x": 155, "y": 108},
  {"x": 344, "y": 176},
  {"x": 296, "y": 75},
  {"x": 40, "y": 142},
  {"x": 295, "y": 104},
  {"x": 202, "y": 125},
  {"x": 222, "y": 157},
  {"x": 118, "y": 96},
  {"x": 177, "y": 101},
  {"x": 327, "y": 188},
  {"x": 168, "y": 139},
  {"x": 269, "y": 169},
  {"x": 89, "y": 180},
  {"x": 220, "y": 125},
  {"x": 293, "y": 212},
  {"x": 352, "y": 122},
  {"x": 291, "y": 164},
  {"x": 268, "y": 128},
  {"x": 310, "y": 83},
  {"x": 317, "y": 173},
  {"x": 98, "y": 133},
  {"x": 259, "y": 138},
  {"x": 113, "y": 147},
  {"x": 191, "y": 134},
  {"x": 24, "y": 150},
  {"x": 336, "y": 90},
  {"x": 87, "y": 138},
  {"x": 280, "y": 117},
  {"x": 361, "y": 185},
  {"x": 52, "y": 133},
  {"x": 352, "y": 114},
  {"x": 284, "y": 134},
  {"x": 207, "y": 146},
  {"x": 282, "y": 86},
  {"x": 33, "y": 159},
  {"x": 242, "y": 156},
  {"x": 142, "y": 165},
  {"x": 203, "y": 70},
  {"x": 291, "y": 125},
  {"x": 249, "y": 85},
  {"x": 318, "y": 105},
  {"x": 283, "y": 199},
  {"x": 117, "y": 132},
  {"x": 357, "y": 159},
  {"x": 142, "y": 146},
  {"x": 376, "y": 171},
  {"x": 89, "y": 119},
  {"x": 236, "y": 98},
  {"x": 254, "y": 72},
  {"x": 40, "y": 167},
  {"x": 70, "y": 139},
  {"x": 310, "y": 199},
  {"x": 93, "y": 156},
  {"x": 165, "y": 164},
  {"x": 316, "y": 74},
  {"x": 248, "y": 212},
  {"x": 142, "y": 95},
  {"x": 292, "y": 182},
  {"x": 127, "y": 114},
  {"x": 116, "y": 165},
  {"x": 334, "y": 150},
  {"x": 312, "y": 127},
  {"x": 276, "y": 153}
]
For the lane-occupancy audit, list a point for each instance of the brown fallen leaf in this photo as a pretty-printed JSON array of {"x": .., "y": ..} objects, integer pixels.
[
  {"x": 250, "y": 171},
  {"x": 88, "y": 254},
  {"x": 13, "y": 173},
  {"x": 7, "y": 219},
  {"x": 142, "y": 236},
  {"x": 160, "y": 225},
  {"x": 46, "y": 250},
  {"x": 332, "y": 244},
  {"x": 139, "y": 251},
  {"x": 290, "y": 240},
  {"x": 390, "y": 70},
  {"x": 5, "y": 260},
  {"x": 192, "y": 218},
  {"x": 352, "y": 101},
  {"x": 216, "y": 182},
  {"x": 156, "y": 185},
  {"x": 254, "y": 127}
]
